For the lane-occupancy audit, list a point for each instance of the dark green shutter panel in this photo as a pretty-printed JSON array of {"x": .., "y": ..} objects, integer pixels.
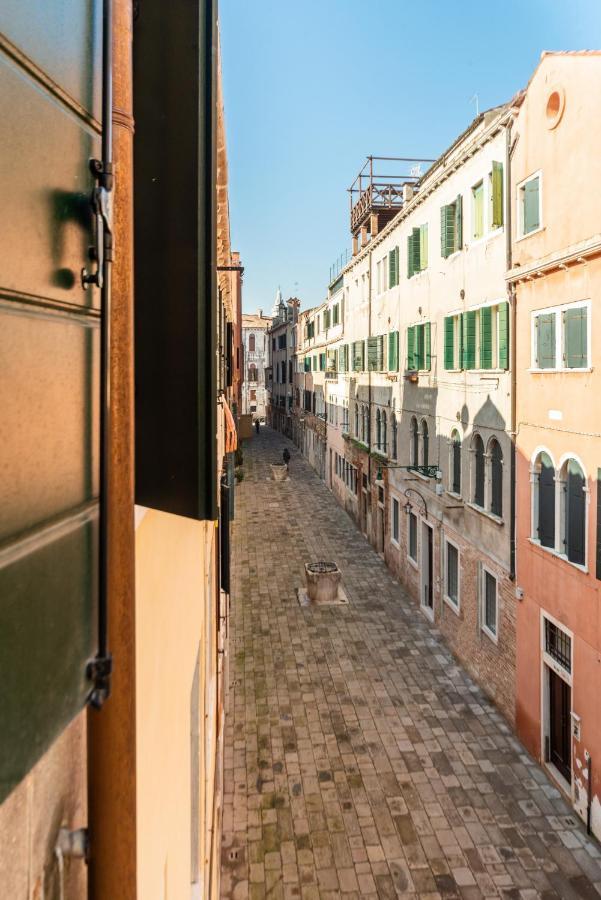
[
  {"x": 531, "y": 206},
  {"x": 546, "y": 503},
  {"x": 419, "y": 347},
  {"x": 459, "y": 222},
  {"x": 469, "y": 340},
  {"x": 411, "y": 347},
  {"x": 409, "y": 256},
  {"x": 576, "y": 513},
  {"x": 497, "y": 194},
  {"x": 427, "y": 347},
  {"x": 599, "y": 523},
  {"x": 503, "y": 326},
  {"x": 372, "y": 354},
  {"x": 443, "y": 232},
  {"x": 447, "y": 230},
  {"x": 307, "y": 363},
  {"x": 574, "y": 336},
  {"x": 449, "y": 342},
  {"x": 393, "y": 278},
  {"x": 397, "y": 257},
  {"x": 423, "y": 247},
  {"x": 393, "y": 351},
  {"x": 486, "y": 337},
  {"x": 415, "y": 250},
  {"x": 545, "y": 341}
]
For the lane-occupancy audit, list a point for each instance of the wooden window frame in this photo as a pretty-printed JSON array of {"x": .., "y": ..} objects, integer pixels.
[
  {"x": 520, "y": 193},
  {"x": 456, "y": 607}
]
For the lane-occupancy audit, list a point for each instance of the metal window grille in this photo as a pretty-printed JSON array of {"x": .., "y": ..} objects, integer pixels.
[{"x": 558, "y": 645}]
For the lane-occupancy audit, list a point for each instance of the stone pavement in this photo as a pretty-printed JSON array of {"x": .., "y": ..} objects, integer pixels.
[{"x": 360, "y": 759}]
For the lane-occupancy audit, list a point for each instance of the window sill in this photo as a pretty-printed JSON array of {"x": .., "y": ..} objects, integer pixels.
[
  {"x": 395, "y": 543},
  {"x": 490, "y": 635},
  {"x": 523, "y": 237},
  {"x": 555, "y": 371},
  {"x": 485, "y": 238},
  {"x": 412, "y": 561},
  {"x": 454, "y": 606},
  {"x": 454, "y": 496},
  {"x": 484, "y": 512},
  {"x": 562, "y": 556}
]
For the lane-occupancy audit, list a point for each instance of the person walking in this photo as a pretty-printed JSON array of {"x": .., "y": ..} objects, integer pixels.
[
  {"x": 257, "y": 426},
  {"x": 286, "y": 456}
]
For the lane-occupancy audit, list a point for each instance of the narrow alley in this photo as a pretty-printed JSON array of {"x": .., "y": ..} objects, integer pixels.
[{"x": 360, "y": 760}]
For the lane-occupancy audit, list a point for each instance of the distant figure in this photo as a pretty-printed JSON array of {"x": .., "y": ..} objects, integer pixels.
[
  {"x": 257, "y": 426},
  {"x": 286, "y": 456}
]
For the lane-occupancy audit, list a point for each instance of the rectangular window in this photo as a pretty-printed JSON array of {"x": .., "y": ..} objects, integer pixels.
[
  {"x": 452, "y": 574},
  {"x": 558, "y": 645},
  {"x": 451, "y": 227},
  {"x": 358, "y": 353},
  {"x": 343, "y": 358},
  {"x": 489, "y": 604},
  {"x": 393, "y": 351},
  {"x": 485, "y": 338},
  {"x": 419, "y": 347},
  {"x": 560, "y": 337},
  {"x": 336, "y": 314},
  {"x": 453, "y": 329},
  {"x": 478, "y": 210},
  {"x": 394, "y": 524},
  {"x": 326, "y": 319},
  {"x": 417, "y": 250},
  {"x": 413, "y": 536},
  {"x": 375, "y": 353},
  {"x": 529, "y": 205}
]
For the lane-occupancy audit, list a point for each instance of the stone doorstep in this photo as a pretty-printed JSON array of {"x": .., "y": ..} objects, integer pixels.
[{"x": 304, "y": 601}]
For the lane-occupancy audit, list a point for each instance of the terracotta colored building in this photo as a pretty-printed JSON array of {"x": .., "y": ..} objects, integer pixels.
[{"x": 556, "y": 281}]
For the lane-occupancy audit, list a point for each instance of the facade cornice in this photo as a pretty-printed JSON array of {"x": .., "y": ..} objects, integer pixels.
[{"x": 561, "y": 259}]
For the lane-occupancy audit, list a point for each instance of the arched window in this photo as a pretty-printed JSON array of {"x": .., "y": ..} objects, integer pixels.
[
  {"x": 456, "y": 463},
  {"x": 394, "y": 437},
  {"x": 378, "y": 430},
  {"x": 543, "y": 500},
  {"x": 384, "y": 432},
  {"x": 251, "y": 343},
  {"x": 252, "y": 372},
  {"x": 478, "y": 470},
  {"x": 496, "y": 477},
  {"x": 425, "y": 443},
  {"x": 414, "y": 442},
  {"x": 574, "y": 512}
]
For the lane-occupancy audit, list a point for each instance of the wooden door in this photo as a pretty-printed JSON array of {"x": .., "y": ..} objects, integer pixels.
[{"x": 559, "y": 725}]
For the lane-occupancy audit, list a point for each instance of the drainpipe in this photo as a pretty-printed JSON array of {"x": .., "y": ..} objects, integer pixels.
[
  {"x": 369, "y": 380},
  {"x": 512, "y": 352}
]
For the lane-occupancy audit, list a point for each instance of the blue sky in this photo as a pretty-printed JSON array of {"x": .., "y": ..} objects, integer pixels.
[{"x": 311, "y": 87}]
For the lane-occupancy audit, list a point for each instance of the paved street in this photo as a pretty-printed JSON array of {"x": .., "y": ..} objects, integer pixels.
[{"x": 360, "y": 760}]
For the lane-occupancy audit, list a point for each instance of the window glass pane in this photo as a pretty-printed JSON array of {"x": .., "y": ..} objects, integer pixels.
[
  {"x": 558, "y": 645},
  {"x": 575, "y": 526},
  {"x": 395, "y": 520},
  {"x": 546, "y": 502},
  {"x": 413, "y": 537},
  {"x": 452, "y": 573},
  {"x": 490, "y": 602}
]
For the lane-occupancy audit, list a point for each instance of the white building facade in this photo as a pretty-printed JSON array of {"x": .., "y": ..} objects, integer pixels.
[{"x": 256, "y": 354}]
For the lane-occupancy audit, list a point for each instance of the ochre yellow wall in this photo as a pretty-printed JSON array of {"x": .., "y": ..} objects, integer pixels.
[{"x": 175, "y": 616}]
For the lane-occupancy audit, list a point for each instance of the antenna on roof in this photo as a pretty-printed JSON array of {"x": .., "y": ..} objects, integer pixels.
[{"x": 475, "y": 97}]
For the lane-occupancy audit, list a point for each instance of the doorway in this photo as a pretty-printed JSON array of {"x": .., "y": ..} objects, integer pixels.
[
  {"x": 427, "y": 556},
  {"x": 560, "y": 738}
]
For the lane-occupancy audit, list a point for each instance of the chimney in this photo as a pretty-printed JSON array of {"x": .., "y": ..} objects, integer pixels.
[
  {"x": 260, "y": 313},
  {"x": 407, "y": 193}
]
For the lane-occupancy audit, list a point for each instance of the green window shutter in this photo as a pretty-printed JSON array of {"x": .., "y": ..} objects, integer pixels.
[
  {"x": 497, "y": 194},
  {"x": 392, "y": 269},
  {"x": 478, "y": 206},
  {"x": 486, "y": 337},
  {"x": 545, "y": 341},
  {"x": 427, "y": 347},
  {"x": 443, "y": 232},
  {"x": 531, "y": 204},
  {"x": 574, "y": 338},
  {"x": 322, "y": 362},
  {"x": 373, "y": 347},
  {"x": 459, "y": 222},
  {"x": 307, "y": 363},
  {"x": 447, "y": 230},
  {"x": 397, "y": 256},
  {"x": 503, "y": 326},
  {"x": 393, "y": 351},
  {"x": 410, "y": 271},
  {"x": 415, "y": 250},
  {"x": 411, "y": 347},
  {"x": 314, "y": 363},
  {"x": 449, "y": 342},
  {"x": 418, "y": 353},
  {"x": 423, "y": 247},
  {"x": 469, "y": 340}
]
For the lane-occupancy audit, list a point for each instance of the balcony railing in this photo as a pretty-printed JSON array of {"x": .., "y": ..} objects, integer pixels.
[{"x": 374, "y": 190}]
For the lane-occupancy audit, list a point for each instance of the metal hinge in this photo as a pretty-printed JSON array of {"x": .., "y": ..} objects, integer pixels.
[
  {"x": 99, "y": 671},
  {"x": 102, "y": 205}
]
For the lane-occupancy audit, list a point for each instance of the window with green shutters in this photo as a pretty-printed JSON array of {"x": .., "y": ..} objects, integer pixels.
[
  {"x": 393, "y": 267},
  {"x": 451, "y": 227},
  {"x": 358, "y": 351},
  {"x": 503, "y": 332},
  {"x": 478, "y": 210},
  {"x": 375, "y": 354},
  {"x": 417, "y": 250},
  {"x": 561, "y": 337},
  {"x": 332, "y": 361},
  {"x": 486, "y": 337},
  {"x": 419, "y": 353},
  {"x": 314, "y": 363},
  {"x": 452, "y": 341},
  {"x": 496, "y": 195},
  {"x": 393, "y": 351},
  {"x": 529, "y": 195},
  {"x": 307, "y": 363},
  {"x": 326, "y": 319},
  {"x": 322, "y": 362},
  {"x": 469, "y": 340},
  {"x": 336, "y": 314},
  {"x": 343, "y": 358}
]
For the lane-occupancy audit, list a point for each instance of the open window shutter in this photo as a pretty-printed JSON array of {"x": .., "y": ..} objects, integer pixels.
[
  {"x": 469, "y": 340},
  {"x": 391, "y": 269},
  {"x": 486, "y": 337},
  {"x": 393, "y": 351},
  {"x": 397, "y": 257},
  {"x": 458, "y": 222},
  {"x": 443, "y": 232},
  {"x": 416, "y": 250},
  {"x": 411, "y": 347},
  {"x": 410, "y": 270},
  {"x": 449, "y": 342},
  {"x": 497, "y": 194},
  {"x": 546, "y": 505},
  {"x": 447, "y": 230},
  {"x": 576, "y": 513},
  {"x": 531, "y": 205},
  {"x": 423, "y": 247},
  {"x": 427, "y": 347},
  {"x": 372, "y": 354},
  {"x": 419, "y": 347},
  {"x": 545, "y": 341},
  {"x": 503, "y": 326},
  {"x": 574, "y": 335}
]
